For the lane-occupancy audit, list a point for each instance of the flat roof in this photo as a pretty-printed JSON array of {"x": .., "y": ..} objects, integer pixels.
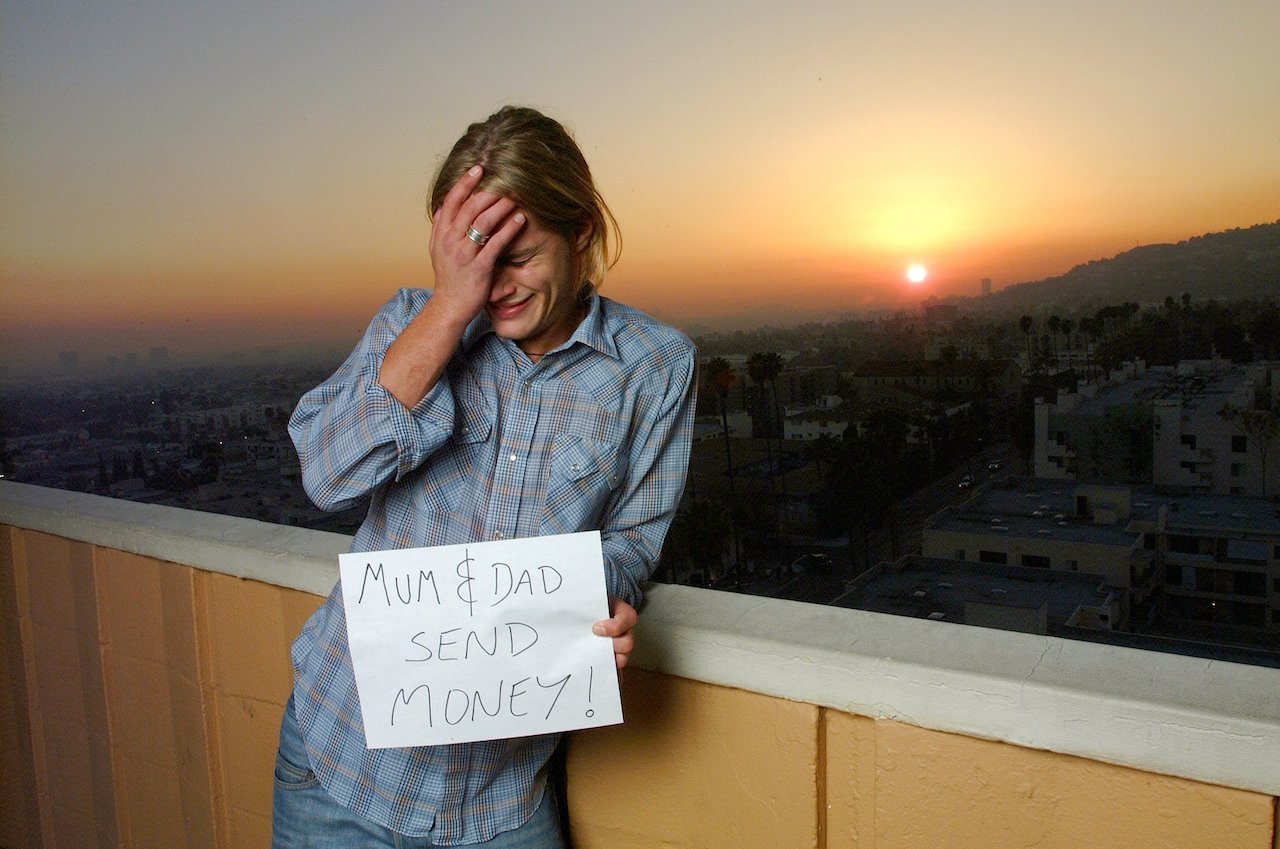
[
  {"x": 918, "y": 586},
  {"x": 1044, "y": 508}
]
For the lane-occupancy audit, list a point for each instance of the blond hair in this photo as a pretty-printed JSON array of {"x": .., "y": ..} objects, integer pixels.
[{"x": 533, "y": 160}]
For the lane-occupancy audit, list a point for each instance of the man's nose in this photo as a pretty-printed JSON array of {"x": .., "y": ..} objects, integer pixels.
[{"x": 503, "y": 286}]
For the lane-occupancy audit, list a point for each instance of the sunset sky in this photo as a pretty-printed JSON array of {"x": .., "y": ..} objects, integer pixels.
[{"x": 192, "y": 174}]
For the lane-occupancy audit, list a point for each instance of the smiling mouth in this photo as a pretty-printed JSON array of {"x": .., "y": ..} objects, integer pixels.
[{"x": 503, "y": 311}]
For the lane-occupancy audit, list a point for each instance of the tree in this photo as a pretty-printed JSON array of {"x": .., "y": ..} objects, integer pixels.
[
  {"x": 698, "y": 537},
  {"x": 719, "y": 377},
  {"x": 1260, "y": 427},
  {"x": 1025, "y": 324}
]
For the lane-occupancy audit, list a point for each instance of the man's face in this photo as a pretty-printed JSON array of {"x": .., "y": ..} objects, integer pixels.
[{"x": 534, "y": 296}]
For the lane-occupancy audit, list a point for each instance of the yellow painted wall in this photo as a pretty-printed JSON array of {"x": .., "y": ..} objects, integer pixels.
[
  {"x": 141, "y": 701},
  {"x": 895, "y": 786}
]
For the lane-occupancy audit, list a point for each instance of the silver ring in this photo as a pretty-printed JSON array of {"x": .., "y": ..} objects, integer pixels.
[{"x": 476, "y": 236}]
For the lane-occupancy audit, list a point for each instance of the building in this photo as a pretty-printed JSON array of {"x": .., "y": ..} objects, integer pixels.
[
  {"x": 1203, "y": 565},
  {"x": 1011, "y": 598},
  {"x": 1219, "y": 558},
  {"x": 891, "y": 380},
  {"x": 1173, "y": 427}
]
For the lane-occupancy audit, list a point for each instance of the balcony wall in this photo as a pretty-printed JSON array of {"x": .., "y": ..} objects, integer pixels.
[{"x": 145, "y": 669}]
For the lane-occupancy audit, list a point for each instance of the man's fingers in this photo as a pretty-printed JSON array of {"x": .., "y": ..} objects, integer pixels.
[
  {"x": 485, "y": 211},
  {"x": 456, "y": 196}
]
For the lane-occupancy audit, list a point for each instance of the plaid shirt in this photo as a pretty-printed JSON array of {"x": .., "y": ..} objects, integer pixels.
[{"x": 594, "y": 436}]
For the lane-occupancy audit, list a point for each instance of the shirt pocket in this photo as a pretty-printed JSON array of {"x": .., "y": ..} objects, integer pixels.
[{"x": 584, "y": 475}]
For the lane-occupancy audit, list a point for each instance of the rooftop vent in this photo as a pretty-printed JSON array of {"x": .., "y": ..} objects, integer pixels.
[
  {"x": 1044, "y": 531},
  {"x": 919, "y": 593},
  {"x": 937, "y": 615}
]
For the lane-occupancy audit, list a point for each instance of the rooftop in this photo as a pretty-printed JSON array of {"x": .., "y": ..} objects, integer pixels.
[
  {"x": 1045, "y": 508},
  {"x": 921, "y": 587}
]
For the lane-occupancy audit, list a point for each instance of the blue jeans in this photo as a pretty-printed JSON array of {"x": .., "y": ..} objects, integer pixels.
[{"x": 305, "y": 816}]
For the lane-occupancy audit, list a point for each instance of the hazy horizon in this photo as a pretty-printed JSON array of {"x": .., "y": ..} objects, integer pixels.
[{"x": 192, "y": 177}]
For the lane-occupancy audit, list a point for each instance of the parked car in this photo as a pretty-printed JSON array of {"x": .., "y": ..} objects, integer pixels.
[{"x": 966, "y": 482}]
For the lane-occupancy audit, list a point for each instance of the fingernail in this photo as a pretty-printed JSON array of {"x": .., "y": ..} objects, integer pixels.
[
  {"x": 518, "y": 218},
  {"x": 598, "y": 630},
  {"x": 475, "y": 171}
]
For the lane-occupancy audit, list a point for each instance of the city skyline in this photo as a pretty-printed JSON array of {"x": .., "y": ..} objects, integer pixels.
[{"x": 185, "y": 177}]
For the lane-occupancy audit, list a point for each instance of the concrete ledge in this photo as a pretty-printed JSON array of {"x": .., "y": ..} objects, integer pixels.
[
  {"x": 1206, "y": 720},
  {"x": 277, "y": 554}
]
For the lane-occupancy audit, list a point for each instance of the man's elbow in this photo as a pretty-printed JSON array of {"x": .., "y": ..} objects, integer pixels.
[{"x": 323, "y": 494}]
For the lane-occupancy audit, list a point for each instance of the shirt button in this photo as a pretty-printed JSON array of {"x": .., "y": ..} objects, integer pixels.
[
  {"x": 512, "y": 458},
  {"x": 576, "y": 467},
  {"x": 499, "y": 535}
]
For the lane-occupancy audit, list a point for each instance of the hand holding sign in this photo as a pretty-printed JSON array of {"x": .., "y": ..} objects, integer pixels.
[{"x": 482, "y": 641}]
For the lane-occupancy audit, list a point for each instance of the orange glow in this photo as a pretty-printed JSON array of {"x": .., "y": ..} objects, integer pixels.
[{"x": 784, "y": 185}]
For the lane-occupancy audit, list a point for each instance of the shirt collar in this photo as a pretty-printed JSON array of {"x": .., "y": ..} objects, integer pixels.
[{"x": 591, "y": 331}]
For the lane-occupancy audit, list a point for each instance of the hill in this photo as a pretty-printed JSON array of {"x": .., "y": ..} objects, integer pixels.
[{"x": 1231, "y": 265}]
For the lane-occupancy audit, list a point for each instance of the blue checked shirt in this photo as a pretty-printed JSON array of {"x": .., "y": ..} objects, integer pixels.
[{"x": 593, "y": 436}]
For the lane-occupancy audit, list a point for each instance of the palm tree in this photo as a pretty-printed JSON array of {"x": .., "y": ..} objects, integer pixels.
[
  {"x": 1025, "y": 324},
  {"x": 758, "y": 371},
  {"x": 1055, "y": 325},
  {"x": 719, "y": 378}
]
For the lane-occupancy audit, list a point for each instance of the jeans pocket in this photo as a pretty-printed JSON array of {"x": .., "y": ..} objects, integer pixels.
[{"x": 290, "y": 776}]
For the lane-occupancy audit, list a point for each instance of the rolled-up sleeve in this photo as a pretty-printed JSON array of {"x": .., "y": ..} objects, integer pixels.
[{"x": 352, "y": 435}]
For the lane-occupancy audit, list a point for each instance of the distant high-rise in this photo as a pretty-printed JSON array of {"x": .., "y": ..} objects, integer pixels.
[{"x": 986, "y": 286}]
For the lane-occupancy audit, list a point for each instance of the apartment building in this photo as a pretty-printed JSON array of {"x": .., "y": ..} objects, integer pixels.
[
  {"x": 1203, "y": 426},
  {"x": 1204, "y": 560}
]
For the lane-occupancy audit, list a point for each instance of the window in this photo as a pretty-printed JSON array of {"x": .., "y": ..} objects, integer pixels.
[
  {"x": 1250, "y": 583},
  {"x": 993, "y": 557},
  {"x": 1035, "y": 561},
  {"x": 1236, "y": 469},
  {"x": 1248, "y": 614},
  {"x": 1173, "y": 575},
  {"x": 1189, "y": 440},
  {"x": 1239, "y": 444},
  {"x": 959, "y": 554}
]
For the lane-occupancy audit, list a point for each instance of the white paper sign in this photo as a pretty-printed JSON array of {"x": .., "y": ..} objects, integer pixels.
[{"x": 481, "y": 641}]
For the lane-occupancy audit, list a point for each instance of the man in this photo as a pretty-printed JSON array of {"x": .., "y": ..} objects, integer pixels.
[{"x": 511, "y": 401}]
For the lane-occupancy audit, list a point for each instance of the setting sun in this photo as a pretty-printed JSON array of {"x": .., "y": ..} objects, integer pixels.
[{"x": 916, "y": 274}]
